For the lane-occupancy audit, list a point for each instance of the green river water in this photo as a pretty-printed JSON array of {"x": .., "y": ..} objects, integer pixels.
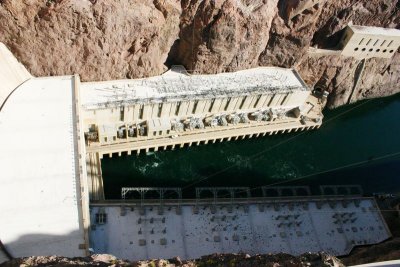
[{"x": 356, "y": 136}]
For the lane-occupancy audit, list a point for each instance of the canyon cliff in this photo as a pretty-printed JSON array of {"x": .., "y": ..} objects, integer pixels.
[{"x": 102, "y": 40}]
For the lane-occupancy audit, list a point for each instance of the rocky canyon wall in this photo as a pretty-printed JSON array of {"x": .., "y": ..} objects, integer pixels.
[{"x": 102, "y": 39}]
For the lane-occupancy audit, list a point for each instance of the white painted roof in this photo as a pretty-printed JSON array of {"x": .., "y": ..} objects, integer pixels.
[
  {"x": 375, "y": 30},
  {"x": 282, "y": 226},
  {"x": 38, "y": 192},
  {"x": 175, "y": 84}
]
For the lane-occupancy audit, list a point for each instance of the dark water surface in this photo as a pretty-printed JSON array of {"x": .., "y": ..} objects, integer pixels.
[{"x": 359, "y": 133}]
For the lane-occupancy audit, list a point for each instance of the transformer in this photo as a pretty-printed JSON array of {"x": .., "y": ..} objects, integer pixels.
[
  {"x": 234, "y": 119},
  {"x": 177, "y": 126},
  {"x": 222, "y": 121},
  {"x": 121, "y": 132},
  {"x": 244, "y": 118},
  {"x": 131, "y": 131}
]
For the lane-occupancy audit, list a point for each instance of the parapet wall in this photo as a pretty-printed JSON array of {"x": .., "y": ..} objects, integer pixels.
[{"x": 12, "y": 73}]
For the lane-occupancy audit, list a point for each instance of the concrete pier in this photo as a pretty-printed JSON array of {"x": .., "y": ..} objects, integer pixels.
[{"x": 94, "y": 175}]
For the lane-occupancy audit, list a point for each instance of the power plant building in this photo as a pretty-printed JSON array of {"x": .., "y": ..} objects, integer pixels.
[{"x": 177, "y": 106}]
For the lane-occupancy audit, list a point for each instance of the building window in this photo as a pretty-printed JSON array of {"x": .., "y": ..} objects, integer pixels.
[
  {"x": 121, "y": 113},
  {"x": 114, "y": 138},
  {"x": 258, "y": 100},
  {"x": 376, "y": 42},
  {"x": 243, "y": 100},
  {"x": 227, "y": 103},
  {"x": 390, "y": 43},
  {"x": 368, "y": 41},
  {"x": 284, "y": 99},
  {"x": 361, "y": 41},
  {"x": 211, "y": 105},
  {"x": 155, "y": 133},
  {"x": 105, "y": 139},
  {"x": 141, "y": 111},
  {"x": 270, "y": 101},
  {"x": 195, "y": 106},
  {"x": 101, "y": 218},
  {"x": 178, "y": 105},
  {"x": 160, "y": 132},
  {"x": 384, "y": 41},
  {"x": 159, "y": 109}
]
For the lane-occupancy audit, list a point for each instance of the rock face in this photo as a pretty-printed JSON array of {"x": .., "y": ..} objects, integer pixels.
[
  {"x": 103, "y": 40},
  {"x": 238, "y": 260}
]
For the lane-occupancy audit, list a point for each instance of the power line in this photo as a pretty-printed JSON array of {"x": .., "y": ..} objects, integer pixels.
[
  {"x": 327, "y": 171},
  {"x": 274, "y": 146}
]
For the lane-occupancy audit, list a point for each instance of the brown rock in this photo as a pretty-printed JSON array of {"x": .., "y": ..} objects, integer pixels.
[
  {"x": 106, "y": 258},
  {"x": 128, "y": 39}
]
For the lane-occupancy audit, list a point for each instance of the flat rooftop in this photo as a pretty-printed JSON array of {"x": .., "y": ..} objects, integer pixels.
[
  {"x": 375, "y": 30},
  {"x": 293, "y": 226},
  {"x": 39, "y": 192},
  {"x": 177, "y": 84}
]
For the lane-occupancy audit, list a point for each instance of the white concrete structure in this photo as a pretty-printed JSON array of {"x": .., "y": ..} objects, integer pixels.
[
  {"x": 161, "y": 106},
  {"x": 394, "y": 263},
  {"x": 366, "y": 42},
  {"x": 293, "y": 226},
  {"x": 177, "y": 85},
  {"x": 12, "y": 73},
  {"x": 41, "y": 174},
  {"x": 177, "y": 109}
]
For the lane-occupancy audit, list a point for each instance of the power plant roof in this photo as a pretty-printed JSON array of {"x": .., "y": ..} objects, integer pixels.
[{"x": 176, "y": 84}]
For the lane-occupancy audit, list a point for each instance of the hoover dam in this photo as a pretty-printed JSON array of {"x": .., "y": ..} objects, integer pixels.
[{"x": 72, "y": 124}]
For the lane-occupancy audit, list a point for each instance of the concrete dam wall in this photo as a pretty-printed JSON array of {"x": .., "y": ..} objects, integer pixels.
[{"x": 12, "y": 73}]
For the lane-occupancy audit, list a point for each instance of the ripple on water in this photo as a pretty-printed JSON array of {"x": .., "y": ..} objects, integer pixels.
[
  {"x": 241, "y": 161},
  {"x": 283, "y": 170},
  {"x": 146, "y": 167}
]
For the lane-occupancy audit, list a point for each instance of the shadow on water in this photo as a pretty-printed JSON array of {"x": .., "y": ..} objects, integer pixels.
[{"x": 362, "y": 132}]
